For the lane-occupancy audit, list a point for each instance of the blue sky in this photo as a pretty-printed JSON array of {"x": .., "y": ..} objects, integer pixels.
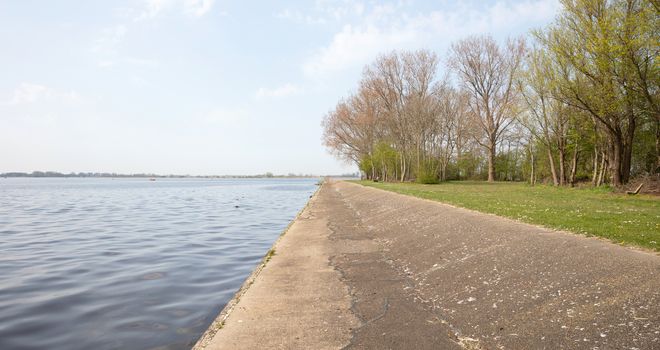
[{"x": 202, "y": 86}]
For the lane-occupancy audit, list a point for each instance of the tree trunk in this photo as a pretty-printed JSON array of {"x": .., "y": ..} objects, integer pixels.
[
  {"x": 532, "y": 176},
  {"x": 562, "y": 166},
  {"x": 626, "y": 151},
  {"x": 574, "y": 163},
  {"x": 491, "y": 161},
  {"x": 403, "y": 167},
  {"x": 594, "y": 177},
  {"x": 601, "y": 175},
  {"x": 458, "y": 153},
  {"x": 626, "y": 159},
  {"x": 657, "y": 145},
  {"x": 616, "y": 161},
  {"x": 506, "y": 167},
  {"x": 419, "y": 161},
  {"x": 552, "y": 168},
  {"x": 396, "y": 168}
]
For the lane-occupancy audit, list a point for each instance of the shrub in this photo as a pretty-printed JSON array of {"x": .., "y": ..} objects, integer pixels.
[{"x": 427, "y": 177}]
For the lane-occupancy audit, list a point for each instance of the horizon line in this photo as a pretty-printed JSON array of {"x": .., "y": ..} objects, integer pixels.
[{"x": 40, "y": 173}]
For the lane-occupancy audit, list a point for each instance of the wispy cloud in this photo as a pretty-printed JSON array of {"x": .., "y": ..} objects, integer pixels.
[
  {"x": 108, "y": 43},
  {"x": 356, "y": 45},
  {"x": 151, "y": 9},
  {"x": 300, "y": 17},
  {"x": 339, "y": 10},
  {"x": 278, "y": 92},
  {"x": 324, "y": 12},
  {"x": 30, "y": 93},
  {"x": 385, "y": 27},
  {"x": 197, "y": 8},
  {"x": 133, "y": 61},
  {"x": 110, "y": 39}
]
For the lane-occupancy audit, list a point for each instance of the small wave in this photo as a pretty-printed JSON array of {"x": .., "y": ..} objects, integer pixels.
[{"x": 94, "y": 264}]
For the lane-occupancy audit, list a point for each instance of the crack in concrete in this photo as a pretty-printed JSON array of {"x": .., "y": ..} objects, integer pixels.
[{"x": 453, "y": 333}]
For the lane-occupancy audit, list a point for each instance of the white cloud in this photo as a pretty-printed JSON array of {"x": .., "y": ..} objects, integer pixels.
[
  {"x": 151, "y": 9},
  {"x": 110, "y": 39},
  {"x": 140, "y": 61},
  {"x": 280, "y": 91},
  {"x": 324, "y": 12},
  {"x": 386, "y": 27},
  {"x": 133, "y": 61},
  {"x": 338, "y": 10},
  {"x": 357, "y": 45},
  {"x": 503, "y": 14},
  {"x": 197, "y": 8},
  {"x": 30, "y": 93},
  {"x": 300, "y": 17}
]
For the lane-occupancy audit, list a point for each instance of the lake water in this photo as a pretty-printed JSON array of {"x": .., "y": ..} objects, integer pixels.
[{"x": 131, "y": 263}]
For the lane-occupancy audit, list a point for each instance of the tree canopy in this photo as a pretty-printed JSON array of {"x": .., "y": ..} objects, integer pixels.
[{"x": 575, "y": 101}]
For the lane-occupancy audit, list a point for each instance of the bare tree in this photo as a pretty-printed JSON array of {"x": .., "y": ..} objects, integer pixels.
[
  {"x": 488, "y": 72},
  {"x": 450, "y": 126},
  {"x": 349, "y": 130},
  {"x": 403, "y": 83},
  {"x": 385, "y": 79}
]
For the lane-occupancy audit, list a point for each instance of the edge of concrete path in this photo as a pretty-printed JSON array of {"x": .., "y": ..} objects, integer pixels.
[
  {"x": 219, "y": 321},
  {"x": 549, "y": 229}
]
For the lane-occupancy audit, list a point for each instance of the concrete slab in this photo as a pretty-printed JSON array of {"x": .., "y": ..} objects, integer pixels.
[{"x": 368, "y": 269}]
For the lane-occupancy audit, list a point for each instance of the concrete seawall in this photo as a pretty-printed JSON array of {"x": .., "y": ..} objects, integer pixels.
[{"x": 368, "y": 269}]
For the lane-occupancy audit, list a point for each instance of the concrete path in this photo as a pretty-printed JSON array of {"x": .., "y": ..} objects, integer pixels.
[{"x": 368, "y": 269}]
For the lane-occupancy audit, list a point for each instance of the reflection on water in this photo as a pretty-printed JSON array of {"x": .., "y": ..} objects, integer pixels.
[{"x": 129, "y": 263}]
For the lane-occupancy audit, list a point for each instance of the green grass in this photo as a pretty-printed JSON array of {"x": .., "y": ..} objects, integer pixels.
[
  {"x": 621, "y": 218},
  {"x": 269, "y": 255}
]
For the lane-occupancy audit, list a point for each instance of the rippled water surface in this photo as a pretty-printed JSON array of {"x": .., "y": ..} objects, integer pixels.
[{"x": 130, "y": 263}]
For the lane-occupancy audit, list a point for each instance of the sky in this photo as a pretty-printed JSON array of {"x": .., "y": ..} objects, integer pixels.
[{"x": 206, "y": 87}]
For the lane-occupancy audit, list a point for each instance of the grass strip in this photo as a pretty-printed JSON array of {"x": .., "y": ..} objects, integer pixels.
[{"x": 621, "y": 218}]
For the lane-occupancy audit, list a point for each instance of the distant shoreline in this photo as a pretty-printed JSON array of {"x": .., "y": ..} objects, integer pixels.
[{"x": 52, "y": 174}]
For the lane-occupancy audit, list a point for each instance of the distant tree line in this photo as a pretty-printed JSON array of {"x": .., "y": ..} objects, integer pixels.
[
  {"x": 142, "y": 175},
  {"x": 575, "y": 101},
  {"x": 79, "y": 174}
]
